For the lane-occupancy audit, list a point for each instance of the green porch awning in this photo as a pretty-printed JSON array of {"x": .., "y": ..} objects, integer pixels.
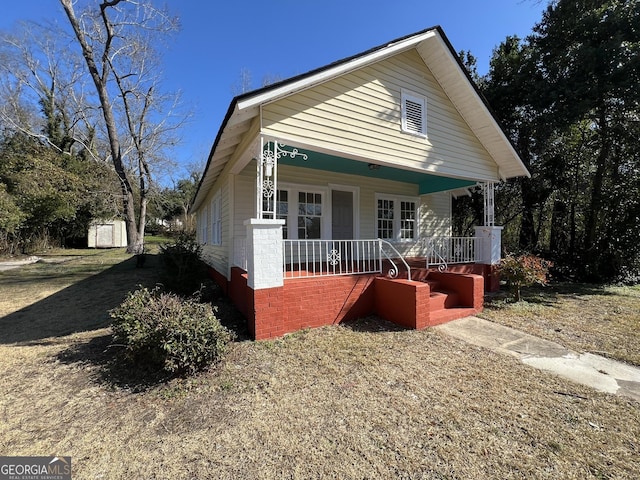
[{"x": 427, "y": 183}]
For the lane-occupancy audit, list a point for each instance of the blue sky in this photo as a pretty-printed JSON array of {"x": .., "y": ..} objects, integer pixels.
[{"x": 287, "y": 37}]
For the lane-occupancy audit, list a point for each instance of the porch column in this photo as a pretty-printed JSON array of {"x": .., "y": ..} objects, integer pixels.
[
  {"x": 265, "y": 279},
  {"x": 489, "y": 245},
  {"x": 264, "y": 253},
  {"x": 267, "y": 181},
  {"x": 488, "y": 253},
  {"x": 267, "y": 174},
  {"x": 488, "y": 189}
]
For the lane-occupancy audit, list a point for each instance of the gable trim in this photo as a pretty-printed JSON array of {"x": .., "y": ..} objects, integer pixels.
[{"x": 317, "y": 76}]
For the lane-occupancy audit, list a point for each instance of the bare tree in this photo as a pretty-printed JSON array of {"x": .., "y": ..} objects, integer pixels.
[
  {"x": 42, "y": 86},
  {"x": 243, "y": 84},
  {"x": 117, "y": 40}
]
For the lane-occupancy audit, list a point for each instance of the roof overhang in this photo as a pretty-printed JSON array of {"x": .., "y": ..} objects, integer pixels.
[{"x": 426, "y": 182}]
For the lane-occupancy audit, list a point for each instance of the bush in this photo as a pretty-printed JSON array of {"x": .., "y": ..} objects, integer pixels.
[
  {"x": 184, "y": 270},
  {"x": 523, "y": 271},
  {"x": 164, "y": 331}
]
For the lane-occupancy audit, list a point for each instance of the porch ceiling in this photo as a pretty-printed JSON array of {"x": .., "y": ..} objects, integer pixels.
[{"x": 427, "y": 183}]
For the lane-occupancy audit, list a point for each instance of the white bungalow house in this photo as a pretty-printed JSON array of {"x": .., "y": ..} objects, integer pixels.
[{"x": 328, "y": 196}]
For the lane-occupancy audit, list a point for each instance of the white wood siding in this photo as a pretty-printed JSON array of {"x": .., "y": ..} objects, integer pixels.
[
  {"x": 435, "y": 215},
  {"x": 245, "y": 199},
  {"x": 359, "y": 115},
  {"x": 217, "y": 256}
]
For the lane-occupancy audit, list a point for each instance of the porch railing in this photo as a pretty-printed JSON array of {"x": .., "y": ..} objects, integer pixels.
[
  {"x": 443, "y": 251},
  {"x": 313, "y": 258},
  {"x": 316, "y": 258}
]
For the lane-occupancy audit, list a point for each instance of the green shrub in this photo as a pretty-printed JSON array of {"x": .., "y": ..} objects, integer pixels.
[
  {"x": 162, "y": 330},
  {"x": 523, "y": 271},
  {"x": 184, "y": 270}
]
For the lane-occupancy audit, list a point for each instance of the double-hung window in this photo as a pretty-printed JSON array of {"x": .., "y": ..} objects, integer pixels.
[
  {"x": 397, "y": 217},
  {"x": 309, "y": 215},
  {"x": 303, "y": 210},
  {"x": 216, "y": 220},
  {"x": 204, "y": 236},
  {"x": 408, "y": 229},
  {"x": 386, "y": 211}
]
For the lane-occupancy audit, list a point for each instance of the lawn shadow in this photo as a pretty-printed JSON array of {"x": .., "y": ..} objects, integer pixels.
[
  {"x": 574, "y": 290},
  {"x": 82, "y": 306},
  {"x": 111, "y": 369},
  {"x": 536, "y": 295},
  {"x": 372, "y": 324},
  {"x": 547, "y": 296}
]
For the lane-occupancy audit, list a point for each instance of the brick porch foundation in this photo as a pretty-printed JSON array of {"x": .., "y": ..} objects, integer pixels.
[{"x": 315, "y": 302}]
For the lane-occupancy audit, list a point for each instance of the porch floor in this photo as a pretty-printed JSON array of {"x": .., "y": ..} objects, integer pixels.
[{"x": 418, "y": 266}]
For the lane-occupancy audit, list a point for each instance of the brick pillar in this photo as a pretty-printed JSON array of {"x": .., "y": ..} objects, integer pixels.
[
  {"x": 488, "y": 253},
  {"x": 265, "y": 277},
  {"x": 264, "y": 253}
]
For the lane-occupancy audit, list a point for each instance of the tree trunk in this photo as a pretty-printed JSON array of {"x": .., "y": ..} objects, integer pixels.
[
  {"x": 142, "y": 220},
  {"x": 558, "y": 238},
  {"x": 130, "y": 220},
  {"x": 595, "y": 203},
  {"x": 100, "y": 79},
  {"x": 527, "y": 239}
]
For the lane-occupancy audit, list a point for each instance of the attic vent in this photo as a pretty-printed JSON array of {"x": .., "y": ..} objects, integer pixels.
[{"x": 414, "y": 114}]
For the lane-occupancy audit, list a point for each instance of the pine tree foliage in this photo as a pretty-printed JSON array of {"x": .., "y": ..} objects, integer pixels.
[{"x": 568, "y": 99}]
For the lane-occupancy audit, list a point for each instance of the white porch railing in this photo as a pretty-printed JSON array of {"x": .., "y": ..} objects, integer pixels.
[
  {"x": 443, "y": 251},
  {"x": 316, "y": 258}
]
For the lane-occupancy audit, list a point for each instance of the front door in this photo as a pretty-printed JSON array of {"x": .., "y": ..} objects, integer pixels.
[{"x": 341, "y": 215}]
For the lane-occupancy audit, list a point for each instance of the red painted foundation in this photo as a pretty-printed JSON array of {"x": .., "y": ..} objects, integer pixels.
[
  {"x": 403, "y": 302},
  {"x": 315, "y": 302},
  {"x": 489, "y": 272}
]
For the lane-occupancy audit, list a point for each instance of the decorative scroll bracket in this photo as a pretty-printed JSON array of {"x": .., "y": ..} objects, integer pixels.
[{"x": 268, "y": 173}]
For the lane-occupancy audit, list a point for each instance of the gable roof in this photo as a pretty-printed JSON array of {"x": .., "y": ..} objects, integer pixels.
[{"x": 437, "y": 53}]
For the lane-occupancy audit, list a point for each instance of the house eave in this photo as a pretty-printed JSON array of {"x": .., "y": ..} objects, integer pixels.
[{"x": 455, "y": 80}]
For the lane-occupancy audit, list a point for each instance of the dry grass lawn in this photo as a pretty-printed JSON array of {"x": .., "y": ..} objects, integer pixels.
[{"x": 362, "y": 401}]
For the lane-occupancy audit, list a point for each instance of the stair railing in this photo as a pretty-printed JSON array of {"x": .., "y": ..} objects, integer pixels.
[
  {"x": 393, "y": 271},
  {"x": 433, "y": 255}
]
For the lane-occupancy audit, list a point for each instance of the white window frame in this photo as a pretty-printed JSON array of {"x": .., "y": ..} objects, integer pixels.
[
  {"x": 397, "y": 199},
  {"x": 216, "y": 219},
  {"x": 408, "y": 96},
  {"x": 205, "y": 224},
  {"x": 292, "y": 218}
]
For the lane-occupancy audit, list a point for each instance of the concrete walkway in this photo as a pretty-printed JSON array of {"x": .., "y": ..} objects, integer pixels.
[
  {"x": 11, "y": 264},
  {"x": 593, "y": 370}
]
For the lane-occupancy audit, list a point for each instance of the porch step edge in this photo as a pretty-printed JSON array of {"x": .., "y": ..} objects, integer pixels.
[
  {"x": 445, "y": 315},
  {"x": 443, "y": 299}
]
